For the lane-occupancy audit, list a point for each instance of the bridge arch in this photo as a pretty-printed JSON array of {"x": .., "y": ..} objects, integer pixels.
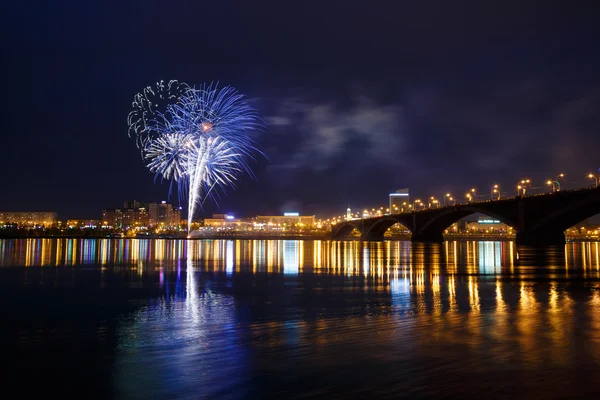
[
  {"x": 377, "y": 229},
  {"x": 343, "y": 229},
  {"x": 432, "y": 229},
  {"x": 567, "y": 216},
  {"x": 445, "y": 219}
]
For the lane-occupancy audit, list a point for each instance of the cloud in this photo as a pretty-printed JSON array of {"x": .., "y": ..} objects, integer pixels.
[
  {"x": 325, "y": 131},
  {"x": 352, "y": 147},
  {"x": 277, "y": 120}
]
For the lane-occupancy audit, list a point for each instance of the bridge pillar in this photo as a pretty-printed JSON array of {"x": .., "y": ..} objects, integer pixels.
[
  {"x": 537, "y": 238},
  {"x": 371, "y": 236},
  {"x": 429, "y": 236}
]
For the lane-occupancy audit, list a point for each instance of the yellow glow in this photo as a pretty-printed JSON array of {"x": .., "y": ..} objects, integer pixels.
[{"x": 206, "y": 127}]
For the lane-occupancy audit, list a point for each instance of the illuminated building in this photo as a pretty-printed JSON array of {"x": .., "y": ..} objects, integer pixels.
[
  {"x": 287, "y": 220},
  {"x": 164, "y": 214},
  {"x": 28, "y": 218},
  {"x": 399, "y": 201},
  {"x": 224, "y": 221},
  {"x": 136, "y": 214},
  {"x": 348, "y": 214},
  {"x": 485, "y": 223},
  {"x": 83, "y": 223}
]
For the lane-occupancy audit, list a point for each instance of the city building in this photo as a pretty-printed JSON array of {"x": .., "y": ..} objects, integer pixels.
[
  {"x": 224, "y": 221},
  {"x": 285, "y": 221},
  {"x": 485, "y": 224},
  {"x": 399, "y": 201},
  {"x": 83, "y": 223},
  {"x": 140, "y": 215},
  {"x": 124, "y": 218},
  {"x": 28, "y": 218},
  {"x": 348, "y": 214},
  {"x": 163, "y": 214}
]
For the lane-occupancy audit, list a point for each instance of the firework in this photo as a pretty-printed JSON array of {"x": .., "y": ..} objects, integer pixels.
[
  {"x": 196, "y": 138},
  {"x": 149, "y": 103}
]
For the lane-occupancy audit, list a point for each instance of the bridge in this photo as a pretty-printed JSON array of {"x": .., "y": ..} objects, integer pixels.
[{"x": 537, "y": 220}]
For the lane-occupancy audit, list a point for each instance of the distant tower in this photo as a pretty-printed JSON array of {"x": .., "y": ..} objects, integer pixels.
[{"x": 348, "y": 214}]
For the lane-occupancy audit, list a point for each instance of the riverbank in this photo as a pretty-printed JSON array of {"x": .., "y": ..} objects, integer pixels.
[{"x": 182, "y": 236}]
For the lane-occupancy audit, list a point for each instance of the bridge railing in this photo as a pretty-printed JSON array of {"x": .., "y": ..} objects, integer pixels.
[{"x": 556, "y": 193}]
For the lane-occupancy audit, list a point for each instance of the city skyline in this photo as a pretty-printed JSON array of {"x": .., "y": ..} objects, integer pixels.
[{"x": 400, "y": 97}]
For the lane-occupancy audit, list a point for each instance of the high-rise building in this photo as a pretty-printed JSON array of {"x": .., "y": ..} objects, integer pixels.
[
  {"x": 134, "y": 214},
  {"x": 164, "y": 214},
  {"x": 135, "y": 204},
  {"x": 399, "y": 201}
]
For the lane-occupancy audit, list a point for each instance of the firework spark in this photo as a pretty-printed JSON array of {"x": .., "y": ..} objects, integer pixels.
[{"x": 194, "y": 137}]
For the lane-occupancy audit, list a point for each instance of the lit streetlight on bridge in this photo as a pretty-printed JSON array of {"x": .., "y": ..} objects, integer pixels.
[
  {"x": 415, "y": 203},
  {"x": 521, "y": 186},
  {"x": 433, "y": 202},
  {"x": 596, "y": 178},
  {"x": 447, "y": 196},
  {"x": 555, "y": 183},
  {"x": 495, "y": 190}
]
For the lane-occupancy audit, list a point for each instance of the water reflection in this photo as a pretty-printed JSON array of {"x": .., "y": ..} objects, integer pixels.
[
  {"x": 292, "y": 257},
  {"x": 271, "y": 318}
]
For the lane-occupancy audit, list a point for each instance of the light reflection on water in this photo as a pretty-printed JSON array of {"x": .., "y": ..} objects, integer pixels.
[{"x": 271, "y": 318}]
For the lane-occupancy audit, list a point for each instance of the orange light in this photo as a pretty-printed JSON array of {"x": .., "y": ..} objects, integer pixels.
[{"x": 206, "y": 127}]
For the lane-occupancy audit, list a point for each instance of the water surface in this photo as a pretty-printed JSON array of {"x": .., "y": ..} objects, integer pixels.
[{"x": 167, "y": 319}]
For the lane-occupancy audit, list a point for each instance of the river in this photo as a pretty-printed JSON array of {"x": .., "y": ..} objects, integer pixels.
[{"x": 291, "y": 319}]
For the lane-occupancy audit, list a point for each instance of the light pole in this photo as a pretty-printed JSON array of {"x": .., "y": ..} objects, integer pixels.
[
  {"x": 469, "y": 197},
  {"x": 432, "y": 201},
  {"x": 596, "y": 178},
  {"x": 472, "y": 193},
  {"x": 558, "y": 177},
  {"x": 416, "y": 203},
  {"x": 521, "y": 186},
  {"x": 447, "y": 195},
  {"x": 554, "y": 185},
  {"x": 495, "y": 189}
]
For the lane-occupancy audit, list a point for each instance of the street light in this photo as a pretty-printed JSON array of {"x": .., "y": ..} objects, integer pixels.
[
  {"x": 449, "y": 197},
  {"x": 473, "y": 193},
  {"x": 417, "y": 201},
  {"x": 469, "y": 197},
  {"x": 495, "y": 189},
  {"x": 432, "y": 201},
  {"x": 521, "y": 186},
  {"x": 555, "y": 185},
  {"x": 596, "y": 177}
]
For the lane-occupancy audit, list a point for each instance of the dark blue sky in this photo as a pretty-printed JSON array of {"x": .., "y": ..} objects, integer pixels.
[{"x": 360, "y": 98}]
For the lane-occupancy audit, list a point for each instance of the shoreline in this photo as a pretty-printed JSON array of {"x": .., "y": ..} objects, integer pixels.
[{"x": 289, "y": 237}]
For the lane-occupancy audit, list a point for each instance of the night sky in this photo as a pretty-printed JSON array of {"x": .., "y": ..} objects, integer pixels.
[{"x": 359, "y": 98}]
